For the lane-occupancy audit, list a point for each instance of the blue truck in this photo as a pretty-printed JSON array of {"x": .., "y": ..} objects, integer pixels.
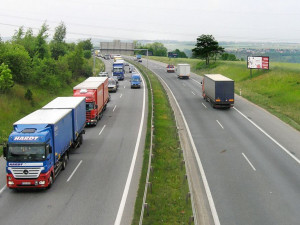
[
  {"x": 218, "y": 90},
  {"x": 39, "y": 145},
  {"x": 135, "y": 81},
  {"x": 119, "y": 69}
]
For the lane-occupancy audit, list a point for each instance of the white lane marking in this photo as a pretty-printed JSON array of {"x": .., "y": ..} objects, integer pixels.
[
  {"x": 272, "y": 139},
  {"x": 196, "y": 81},
  {"x": 204, "y": 105},
  {"x": 121, "y": 95},
  {"x": 183, "y": 84},
  {"x": 102, "y": 129},
  {"x": 124, "y": 86},
  {"x": 220, "y": 124},
  {"x": 249, "y": 161},
  {"x": 203, "y": 175},
  {"x": 74, "y": 171},
  {"x": 130, "y": 174},
  {"x": 193, "y": 93},
  {"x": 2, "y": 189},
  {"x": 114, "y": 108}
]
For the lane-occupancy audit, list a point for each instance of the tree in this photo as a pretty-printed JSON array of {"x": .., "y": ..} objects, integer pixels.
[
  {"x": 87, "y": 44},
  {"x": 6, "y": 81},
  {"x": 228, "y": 57},
  {"x": 41, "y": 46},
  {"x": 180, "y": 53},
  {"x": 57, "y": 45},
  {"x": 18, "y": 61},
  {"x": 206, "y": 47}
]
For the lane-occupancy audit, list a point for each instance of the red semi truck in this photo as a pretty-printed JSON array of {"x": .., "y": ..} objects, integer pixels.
[{"x": 96, "y": 96}]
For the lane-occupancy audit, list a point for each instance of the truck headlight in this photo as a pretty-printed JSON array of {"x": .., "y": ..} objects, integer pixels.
[
  {"x": 42, "y": 182},
  {"x": 11, "y": 183}
]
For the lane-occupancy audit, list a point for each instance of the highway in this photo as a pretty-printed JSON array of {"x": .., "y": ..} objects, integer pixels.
[
  {"x": 100, "y": 182},
  {"x": 250, "y": 158}
]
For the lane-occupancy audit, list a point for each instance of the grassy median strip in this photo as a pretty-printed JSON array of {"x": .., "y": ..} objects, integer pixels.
[{"x": 167, "y": 201}]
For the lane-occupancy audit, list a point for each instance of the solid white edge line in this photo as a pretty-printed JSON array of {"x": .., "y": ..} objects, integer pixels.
[
  {"x": 204, "y": 105},
  {"x": 272, "y": 139},
  {"x": 203, "y": 175},
  {"x": 102, "y": 129},
  {"x": 2, "y": 189},
  {"x": 249, "y": 161},
  {"x": 130, "y": 174},
  {"x": 220, "y": 124},
  {"x": 74, "y": 171},
  {"x": 121, "y": 95},
  {"x": 114, "y": 108}
]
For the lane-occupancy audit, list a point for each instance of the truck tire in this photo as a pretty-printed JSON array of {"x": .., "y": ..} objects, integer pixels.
[
  {"x": 51, "y": 181},
  {"x": 80, "y": 139},
  {"x": 64, "y": 162}
]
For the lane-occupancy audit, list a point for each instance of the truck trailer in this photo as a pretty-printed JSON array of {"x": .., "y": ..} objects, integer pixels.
[
  {"x": 218, "y": 90},
  {"x": 96, "y": 96},
  {"x": 183, "y": 71},
  {"x": 38, "y": 147},
  {"x": 78, "y": 107}
]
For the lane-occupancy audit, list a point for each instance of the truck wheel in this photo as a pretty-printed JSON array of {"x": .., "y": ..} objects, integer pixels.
[
  {"x": 64, "y": 162},
  {"x": 51, "y": 180},
  {"x": 81, "y": 139}
]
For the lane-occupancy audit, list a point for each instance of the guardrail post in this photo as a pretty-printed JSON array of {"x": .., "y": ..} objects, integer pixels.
[
  {"x": 188, "y": 195},
  {"x": 147, "y": 208},
  {"x": 191, "y": 220},
  {"x": 182, "y": 163}
]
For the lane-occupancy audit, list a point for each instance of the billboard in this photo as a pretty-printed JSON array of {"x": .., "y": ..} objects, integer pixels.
[
  {"x": 258, "y": 62},
  {"x": 172, "y": 55}
]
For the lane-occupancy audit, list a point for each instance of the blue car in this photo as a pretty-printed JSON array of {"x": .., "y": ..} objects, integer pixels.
[{"x": 135, "y": 81}]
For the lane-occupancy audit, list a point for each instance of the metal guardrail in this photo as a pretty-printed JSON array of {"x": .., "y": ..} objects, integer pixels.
[{"x": 145, "y": 205}]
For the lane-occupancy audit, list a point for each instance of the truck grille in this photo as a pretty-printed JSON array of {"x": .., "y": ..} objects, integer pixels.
[
  {"x": 26, "y": 172},
  {"x": 88, "y": 114}
]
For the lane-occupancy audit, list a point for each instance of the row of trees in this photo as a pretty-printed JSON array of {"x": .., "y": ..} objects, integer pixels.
[
  {"x": 29, "y": 58},
  {"x": 206, "y": 48}
]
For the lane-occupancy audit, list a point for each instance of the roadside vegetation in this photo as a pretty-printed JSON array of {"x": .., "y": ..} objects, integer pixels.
[
  {"x": 167, "y": 200},
  {"x": 276, "y": 90},
  {"x": 34, "y": 71}
]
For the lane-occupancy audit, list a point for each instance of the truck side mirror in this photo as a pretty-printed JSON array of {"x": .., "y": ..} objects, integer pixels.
[
  {"x": 201, "y": 83},
  {"x": 96, "y": 106},
  {"x": 5, "y": 150},
  {"x": 50, "y": 149}
]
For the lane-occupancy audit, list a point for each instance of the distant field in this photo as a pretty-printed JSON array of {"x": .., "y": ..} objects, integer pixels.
[{"x": 277, "y": 90}]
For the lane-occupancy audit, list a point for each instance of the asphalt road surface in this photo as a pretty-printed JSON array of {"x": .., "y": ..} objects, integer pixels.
[
  {"x": 97, "y": 186},
  {"x": 250, "y": 158}
]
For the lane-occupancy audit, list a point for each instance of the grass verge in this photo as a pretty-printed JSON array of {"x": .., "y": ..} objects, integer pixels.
[
  {"x": 167, "y": 201},
  {"x": 14, "y": 105},
  {"x": 277, "y": 90}
]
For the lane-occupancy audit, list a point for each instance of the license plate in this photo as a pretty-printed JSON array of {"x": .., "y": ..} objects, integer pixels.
[{"x": 26, "y": 183}]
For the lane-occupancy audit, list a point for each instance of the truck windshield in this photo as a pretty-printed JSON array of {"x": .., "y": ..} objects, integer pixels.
[
  {"x": 136, "y": 79},
  {"x": 89, "y": 106},
  {"x": 26, "y": 152},
  {"x": 118, "y": 70}
]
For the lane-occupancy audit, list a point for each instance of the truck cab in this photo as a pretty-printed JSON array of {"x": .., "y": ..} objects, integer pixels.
[{"x": 118, "y": 69}]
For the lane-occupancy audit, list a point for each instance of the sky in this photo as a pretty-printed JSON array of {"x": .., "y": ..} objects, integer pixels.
[{"x": 182, "y": 20}]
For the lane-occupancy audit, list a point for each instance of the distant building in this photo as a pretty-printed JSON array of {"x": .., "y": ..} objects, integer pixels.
[{"x": 117, "y": 47}]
